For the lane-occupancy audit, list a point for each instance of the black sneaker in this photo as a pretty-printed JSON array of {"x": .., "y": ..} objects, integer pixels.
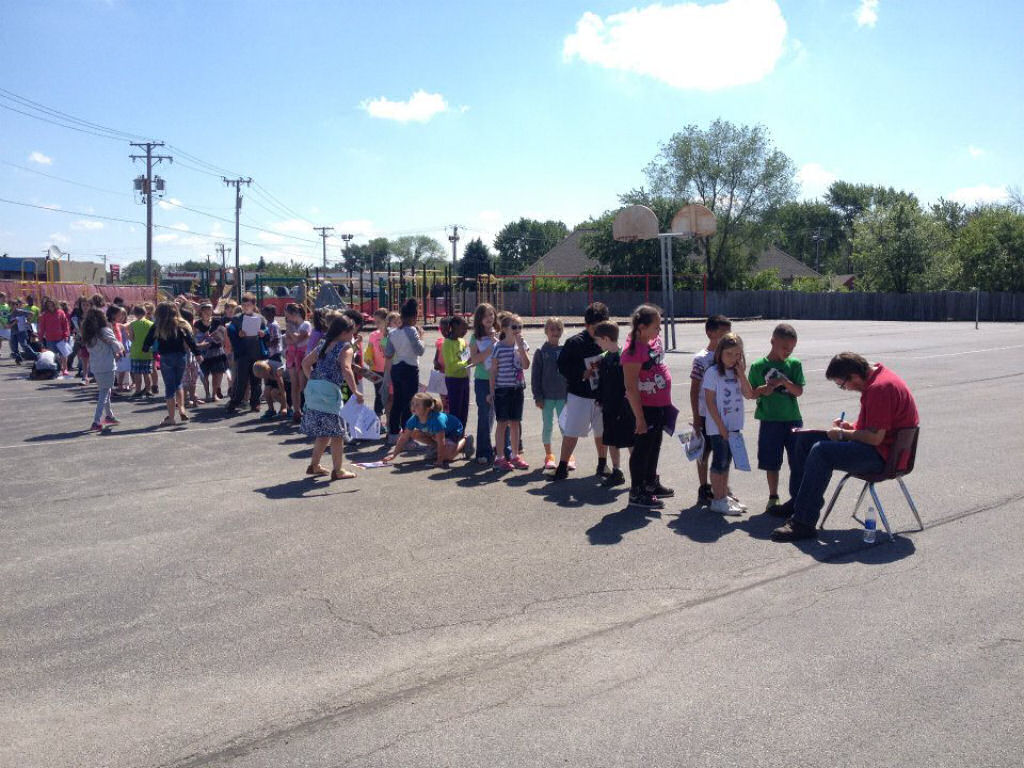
[
  {"x": 781, "y": 510},
  {"x": 794, "y": 530},
  {"x": 602, "y": 468},
  {"x": 561, "y": 472},
  {"x": 661, "y": 491},
  {"x": 614, "y": 479},
  {"x": 645, "y": 500},
  {"x": 467, "y": 449},
  {"x": 705, "y": 495}
]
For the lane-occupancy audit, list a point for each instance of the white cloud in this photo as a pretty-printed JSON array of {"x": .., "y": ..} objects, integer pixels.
[
  {"x": 87, "y": 224},
  {"x": 269, "y": 237},
  {"x": 59, "y": 238},
  {"x": 39, "y": 157},
  {"x": 974, "y": 151},
  {"x": 293, "y": 226},
  {"x": 814, "y": 180},
  {"x": 169, "y": 204},
  {"x": 179, "y": 226},
  {"x": 867, "y": 13},
  {"x": 420, "y": 108},
  {"x": 165, "y": 237},
  {"x": 980, "y": 194},
  {"x": 687, "y": 46}
]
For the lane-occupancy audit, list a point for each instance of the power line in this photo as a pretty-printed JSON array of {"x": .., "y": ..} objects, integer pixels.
[
  {"x": 66, "y": 181},
  {"x": 11, "y": 96}
]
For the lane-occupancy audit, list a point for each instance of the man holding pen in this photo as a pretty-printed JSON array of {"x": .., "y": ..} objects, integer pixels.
[{"x": 886, "y": 405}]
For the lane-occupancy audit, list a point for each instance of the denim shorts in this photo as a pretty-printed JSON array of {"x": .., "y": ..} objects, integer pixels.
[
  {"x": 721, "y": 454},
  {"x": 773, "y": 438},
  {"x": 508, "y": 403}
]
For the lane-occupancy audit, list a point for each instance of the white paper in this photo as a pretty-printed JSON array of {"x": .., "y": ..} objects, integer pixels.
[
  {"x": 371, "y": 464},
  {"x": 590, "y": 366},
  {"x": 251, "y": 324},
  {"x": 692, "y": 443},
  {"x": 361, "y": 420},
  {"x": 436, "y": 383},
  {"x": 739, "y": 452}
]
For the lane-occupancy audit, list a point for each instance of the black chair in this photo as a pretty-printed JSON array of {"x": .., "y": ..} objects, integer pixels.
[{"x": 900, "y": 463}]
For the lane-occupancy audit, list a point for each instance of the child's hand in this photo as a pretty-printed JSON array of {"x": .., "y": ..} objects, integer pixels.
[
  {"x": 641, "y": 426},
  {"x": 359, "y": 397},
  {"x": 490, "y": 399},
  {"x": 388, "y": 458},
  {"x": 539, "y": 404}
]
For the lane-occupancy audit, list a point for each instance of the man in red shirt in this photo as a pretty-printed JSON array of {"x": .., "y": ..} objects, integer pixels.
[{"x": 886, "y": 405}]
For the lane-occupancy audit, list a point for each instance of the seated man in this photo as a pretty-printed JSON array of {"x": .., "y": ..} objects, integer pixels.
[{"x": 886, "y": 405}]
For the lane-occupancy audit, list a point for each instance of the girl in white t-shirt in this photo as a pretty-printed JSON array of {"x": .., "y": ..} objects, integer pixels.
[{"x": 724, "y": 388}]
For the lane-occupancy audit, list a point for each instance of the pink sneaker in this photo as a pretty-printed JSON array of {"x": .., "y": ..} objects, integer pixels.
[
  {"x": 550, "y": 462},
  {"x": 502, "y": 464},
  {"x": 519, "y": 462},
  {"x": 572, "y": 463}
]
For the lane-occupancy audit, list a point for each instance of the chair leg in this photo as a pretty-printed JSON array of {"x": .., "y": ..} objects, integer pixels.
[
  {"x": 910, "y": 501},
  {"x": 881, "y": 511},
  {"x": 860, "y": 500},
  {"x": 835, "y": 496}
]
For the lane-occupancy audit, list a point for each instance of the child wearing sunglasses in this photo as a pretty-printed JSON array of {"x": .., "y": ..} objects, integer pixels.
[{"x": 510, "y": 357}]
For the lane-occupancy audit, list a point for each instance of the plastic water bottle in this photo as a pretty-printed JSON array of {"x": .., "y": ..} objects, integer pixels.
[{"x": 870, "y": 525}]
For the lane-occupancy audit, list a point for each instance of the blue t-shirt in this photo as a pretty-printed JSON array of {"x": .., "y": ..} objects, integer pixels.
[{"x": 437, "y": 422}]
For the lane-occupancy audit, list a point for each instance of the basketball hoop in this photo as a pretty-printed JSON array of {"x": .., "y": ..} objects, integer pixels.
[
  {"x": 693, "y": 221},
  {"x": 635, "y": 223}
]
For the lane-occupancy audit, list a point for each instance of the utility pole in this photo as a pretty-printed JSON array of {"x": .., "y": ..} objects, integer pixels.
[
  {"x": 220, "y": 251},
  {"x": 144, "y": 184},
  {"x": 817, "y": 238},
  {"x": 323, "y": 234},
  {"x": 237, "y": 184},
  {"x": 454, "y": 240}
]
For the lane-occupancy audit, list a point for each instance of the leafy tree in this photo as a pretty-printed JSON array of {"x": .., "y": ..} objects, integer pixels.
[
  {"x": 261, "y": 265},
  {"x": 134, "y": 273},
  {"x": 476, "y": 259},
  {"x": 894, "y": 245},
  {"x": 809, "y": 284},
  {"x": 412, "y": 249},
  {"x": 990, "y": 249},
  {"x": 737, "y": 173},
  {"x": 521, "y": 243},
  {"x": 951, "y": 214},
  {"x": 812, "y": 232},
  {"x": 766, "y": 280}
]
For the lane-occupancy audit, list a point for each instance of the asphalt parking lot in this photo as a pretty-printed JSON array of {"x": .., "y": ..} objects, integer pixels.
[{"x": 187, "y": 597}]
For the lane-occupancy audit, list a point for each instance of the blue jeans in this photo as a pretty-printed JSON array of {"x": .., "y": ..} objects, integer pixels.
[
  {"x": 172, "y": 369},
  {"x": 811, "y": 467},
  {"x": 484, "y": 417},
  {"x": 20, "y": 347}
]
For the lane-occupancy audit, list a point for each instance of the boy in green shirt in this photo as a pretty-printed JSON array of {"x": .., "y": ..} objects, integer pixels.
[
  {"x": 777, "y": 380},
  {"x": 143, "y": 375}
]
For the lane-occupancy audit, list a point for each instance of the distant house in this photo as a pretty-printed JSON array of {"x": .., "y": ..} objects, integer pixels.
[
  {"x": 788, "y": 267},
  {"x": 566, "y": 258},
  {"x": 842, "y": 281}
]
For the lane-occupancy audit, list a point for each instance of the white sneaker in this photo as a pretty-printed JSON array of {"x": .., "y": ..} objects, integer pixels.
[
  {"x": 723, "y": 507},
  {"x": 737, "y": 503},
  {"x": 735, "y": 507}
]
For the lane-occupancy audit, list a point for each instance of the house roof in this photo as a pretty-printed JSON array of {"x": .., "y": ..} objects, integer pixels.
[
  {"x": 566, "y": 258},
  {"x": 789, "y": 267}
]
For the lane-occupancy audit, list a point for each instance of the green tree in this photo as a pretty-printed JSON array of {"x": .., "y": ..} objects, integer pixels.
[
  {"x": 990, "y": 249},
  {"x": 735, "y": 171},
  {"x": 766, "y": 280},
  {"x": 950, "y": 214},
  {"x": 412, "y": 249},
  {"x": 521, "y": 243},
  {"x": 894, "y": 246},
  {"x": 812, "y": 232},
  {"x": 476, "y": 259},
  {"x": 134, "y": 273}
]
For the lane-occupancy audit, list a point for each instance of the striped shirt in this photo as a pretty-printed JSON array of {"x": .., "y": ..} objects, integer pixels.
[{"x": 509, "y": 368}]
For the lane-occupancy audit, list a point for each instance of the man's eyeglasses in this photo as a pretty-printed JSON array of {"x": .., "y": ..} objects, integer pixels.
[{"x": 842, "y": 383}]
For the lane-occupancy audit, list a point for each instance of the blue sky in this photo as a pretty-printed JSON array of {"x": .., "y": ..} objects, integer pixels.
[{"x": 395, "y": 118}]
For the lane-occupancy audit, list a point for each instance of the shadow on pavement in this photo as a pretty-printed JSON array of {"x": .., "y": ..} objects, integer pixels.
[
  {"x": 700, "y": 524},
  {"x": 612, "y": 527},
  {"x": 575, "y": 491},
  {"x": 304, "y": 488}
]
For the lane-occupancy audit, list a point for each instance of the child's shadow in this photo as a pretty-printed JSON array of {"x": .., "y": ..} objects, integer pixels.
[
  {"x": 304, "y": 488},
  {"x": 700, "y": 524},
  {"x": 614, "y": 526},
  {"x": 577, "y": 492}
]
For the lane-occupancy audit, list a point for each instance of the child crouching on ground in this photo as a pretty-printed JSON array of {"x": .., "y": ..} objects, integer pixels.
[
  {"x": 429, "y": 424},
  {"x": 271, "y": 372}
]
